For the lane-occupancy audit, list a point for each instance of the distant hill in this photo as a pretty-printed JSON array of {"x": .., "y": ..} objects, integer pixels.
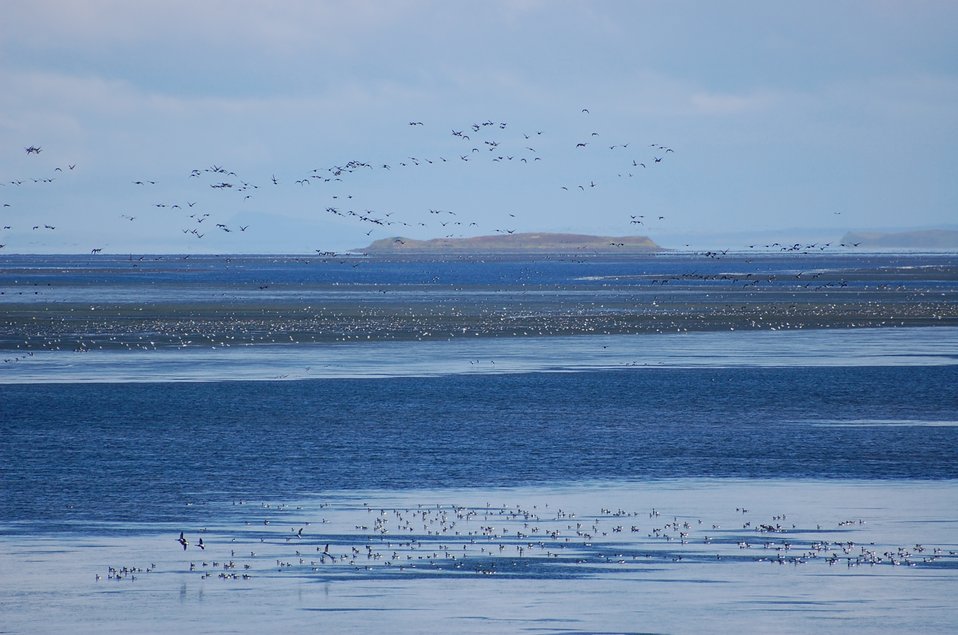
[
  {"x": 515, "y": 244},
  {"x": 928, "y": 239}
]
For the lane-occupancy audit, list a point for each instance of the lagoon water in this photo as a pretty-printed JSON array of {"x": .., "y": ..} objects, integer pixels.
[{"x": 628, "y": 480}]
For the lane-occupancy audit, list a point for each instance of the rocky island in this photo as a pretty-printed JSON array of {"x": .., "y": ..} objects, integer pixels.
[{"x": 524, "y": 243}]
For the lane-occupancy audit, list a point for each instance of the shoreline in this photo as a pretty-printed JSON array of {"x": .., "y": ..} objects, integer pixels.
[
  {"x": 105, "y": 303},
  {"x": 437, "y": 316}
]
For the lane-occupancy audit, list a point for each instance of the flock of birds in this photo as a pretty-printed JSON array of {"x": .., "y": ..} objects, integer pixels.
[
  {"x": 109, "y": 329},
  {"x": 516, "y": 541},
  {"x": 291, "y": 309},
  {"x": 338, "y": 188},
  {"x": 336, "y": 191}
]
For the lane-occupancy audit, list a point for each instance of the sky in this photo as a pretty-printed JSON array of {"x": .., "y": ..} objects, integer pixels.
[{"x": 301, "y": 126}]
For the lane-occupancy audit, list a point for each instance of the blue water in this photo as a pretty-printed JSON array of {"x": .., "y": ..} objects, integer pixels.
[
  {"x": 140, "y": 452},
  {"x": 107, "y": 277},
  {"x": 657, "y": 442},
  {"x": 463, "y": 412}
]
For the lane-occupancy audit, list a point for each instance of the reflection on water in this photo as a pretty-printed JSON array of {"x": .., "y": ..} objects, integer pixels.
[
  {"x": 592, "y": 557},
  {"x": 852, "y": 347},
  {"x": 619, "y": 481}
]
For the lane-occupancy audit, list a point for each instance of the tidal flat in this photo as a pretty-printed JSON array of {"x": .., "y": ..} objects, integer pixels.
[
  {"x": 85, "y": 303},
  {"x": 662, "y": 444}
]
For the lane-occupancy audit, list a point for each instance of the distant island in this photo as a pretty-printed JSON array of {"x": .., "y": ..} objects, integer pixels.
[
  {"x": 928, "y": 239},
  {"x": 527, "y": 243}
]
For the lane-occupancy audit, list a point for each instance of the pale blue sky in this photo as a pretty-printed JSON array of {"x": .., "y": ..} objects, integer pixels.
[{"x": 800, "y": 119}]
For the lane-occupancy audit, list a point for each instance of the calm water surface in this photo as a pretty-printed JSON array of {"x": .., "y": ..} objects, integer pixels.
[
  {"x": 678, "y": 556},
  {"x": 718, "y": 481}
]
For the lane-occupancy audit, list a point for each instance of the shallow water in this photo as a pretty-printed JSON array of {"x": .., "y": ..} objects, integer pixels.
[
  {"x": 672, "y": 450},
  {"x": 858, "y": 477},
  {"x": 91, "y": 303},
  {"x": 730, "y": 349},
  {"x": 596, "y": 557}
]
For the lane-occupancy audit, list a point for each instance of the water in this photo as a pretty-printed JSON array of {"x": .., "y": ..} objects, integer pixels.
[
  {"x": 85, "y": 303},
  {"x": 625, "y": 481},
  {"x": 845, "y": 559},
  {"x": 377, "y": 359},
  {"x": 166, "y": 444}
]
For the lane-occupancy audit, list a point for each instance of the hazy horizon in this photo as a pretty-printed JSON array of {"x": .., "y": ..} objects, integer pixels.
[
  {"x": 166, "y": 127},
  {"x": 754, "y": 241}
]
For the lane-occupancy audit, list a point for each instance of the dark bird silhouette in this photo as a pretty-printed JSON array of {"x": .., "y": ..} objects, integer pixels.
[{"x": 182, "y": 541}]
